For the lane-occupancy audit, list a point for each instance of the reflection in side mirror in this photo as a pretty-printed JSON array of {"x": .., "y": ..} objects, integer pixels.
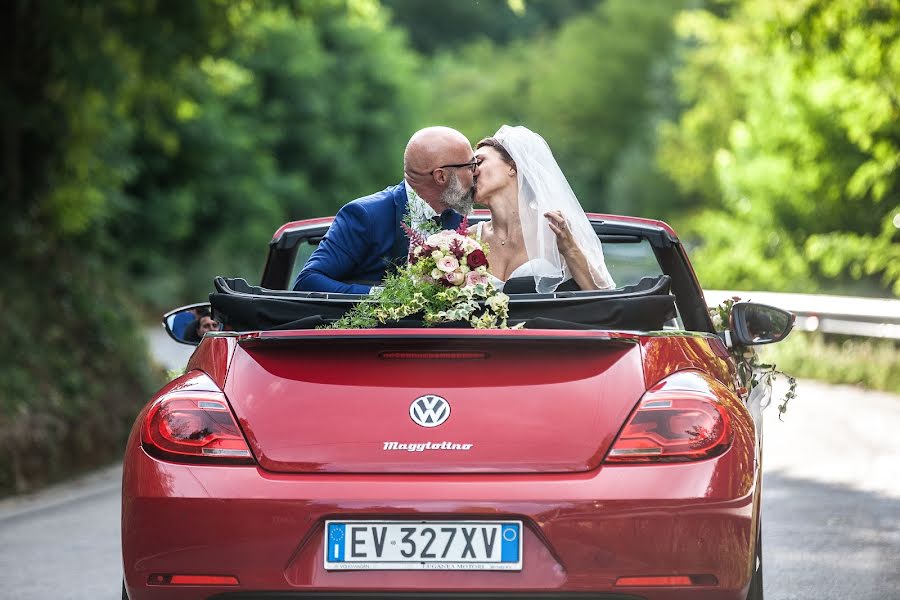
[
  {"x": 188, "y": 324},
  {"x": 754, "y": 324}
]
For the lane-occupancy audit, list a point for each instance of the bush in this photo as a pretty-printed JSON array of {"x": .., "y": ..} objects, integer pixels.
[{"x": 73, "y": 374}]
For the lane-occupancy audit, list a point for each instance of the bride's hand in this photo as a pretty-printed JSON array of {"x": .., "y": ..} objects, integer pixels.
[{"x": 564, "y": 239}]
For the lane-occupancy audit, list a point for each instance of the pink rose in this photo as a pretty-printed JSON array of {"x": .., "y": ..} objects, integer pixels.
[
  {"x": 448, "y": 264},
  {"x": 473, "y": 278},
  {"x": 455, "y": 278}
]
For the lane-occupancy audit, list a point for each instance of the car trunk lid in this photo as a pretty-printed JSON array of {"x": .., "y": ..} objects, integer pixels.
[{"x": 348, "y": 402}]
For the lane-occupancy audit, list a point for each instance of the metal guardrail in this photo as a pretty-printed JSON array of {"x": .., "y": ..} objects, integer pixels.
[{"x": 847, "y": 315}]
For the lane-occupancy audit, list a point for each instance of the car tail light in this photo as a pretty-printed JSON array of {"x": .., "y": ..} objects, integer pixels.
[
  {"x": 667, "y": 580},
  {"x": 673, "y": 425},
  {"x": 194, "y": 427}
]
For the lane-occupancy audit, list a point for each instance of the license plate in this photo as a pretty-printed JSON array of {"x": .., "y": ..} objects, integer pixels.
[{"x": 436, "y": 545}]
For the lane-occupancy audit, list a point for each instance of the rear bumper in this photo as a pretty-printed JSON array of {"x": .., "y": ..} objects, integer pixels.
[{"x": 581, "y": 531}]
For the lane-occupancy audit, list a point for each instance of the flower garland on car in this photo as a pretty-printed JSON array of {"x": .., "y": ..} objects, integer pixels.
[
  {"x": 445, "y": 280},
  {"x": 751, "y": 370}
]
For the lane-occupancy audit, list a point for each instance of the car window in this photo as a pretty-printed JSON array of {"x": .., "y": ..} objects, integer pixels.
[
  {"x": 629, "y": 262},
  {"x": 304, "y": 251}
]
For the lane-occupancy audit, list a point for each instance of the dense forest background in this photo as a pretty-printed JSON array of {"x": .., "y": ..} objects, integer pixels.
[{"x": 149, "y": 146}]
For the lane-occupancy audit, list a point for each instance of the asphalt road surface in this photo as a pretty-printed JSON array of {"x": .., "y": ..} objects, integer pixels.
[{"x": 831, "y": 508}]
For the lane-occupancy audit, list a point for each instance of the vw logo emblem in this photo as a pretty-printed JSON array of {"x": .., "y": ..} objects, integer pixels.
[{"x": 429, "y": 411}]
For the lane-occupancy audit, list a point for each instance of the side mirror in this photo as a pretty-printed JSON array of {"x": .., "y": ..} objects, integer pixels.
[
  {"x": 753, "y": 324},
  {"x": 188, "y": 324}
]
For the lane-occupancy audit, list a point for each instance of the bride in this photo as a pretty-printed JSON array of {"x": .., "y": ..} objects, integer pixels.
[{"x": 537, "y": 228}]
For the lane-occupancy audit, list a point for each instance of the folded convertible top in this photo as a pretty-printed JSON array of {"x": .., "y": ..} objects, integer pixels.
[{"x": 645, "y": 306}]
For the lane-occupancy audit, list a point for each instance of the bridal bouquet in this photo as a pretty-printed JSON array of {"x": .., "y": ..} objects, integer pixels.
[{"x": 445, "y": 280}]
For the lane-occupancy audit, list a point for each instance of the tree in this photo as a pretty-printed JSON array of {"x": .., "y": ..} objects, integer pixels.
[
  {"x": 594, "y": 89},
  {"x": 304, "y": 110},
  {"x": 449, "y": 25},
  {"x": 792, "y": 134},
  {"x": 146, "y": 145},
  {"x": 71, "y": 372}
]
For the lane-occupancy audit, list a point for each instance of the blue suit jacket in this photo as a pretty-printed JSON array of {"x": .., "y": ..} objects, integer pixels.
[{"x": 363, "y": 242}]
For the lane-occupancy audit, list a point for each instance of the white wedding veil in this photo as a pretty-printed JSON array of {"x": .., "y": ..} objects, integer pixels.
[{"x": 544, "y": 188}]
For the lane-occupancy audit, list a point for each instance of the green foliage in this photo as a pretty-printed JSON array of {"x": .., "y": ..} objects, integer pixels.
[
  {"x": 73, "y": 71},
  {"x": 402, "y": 295},
  {"x": 149, "y": 146},
  {"x": 792, "y": 130},
  {"x": 303, "y": 111},
  {"x": 449, "y": 24},
  {"x": 859, "y": 255},
  {"x": 743, "y": 253},
  {"x": 868, "y": 362},
  {"x": 168, "y": 142},
  {"x": 73, "y": 371},
  {"x": 594, "y": 89},
  {"x": 480, "y": 87}
]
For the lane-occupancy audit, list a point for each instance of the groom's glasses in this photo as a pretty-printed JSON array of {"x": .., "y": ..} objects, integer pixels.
[{"x": 472, "y": 164}]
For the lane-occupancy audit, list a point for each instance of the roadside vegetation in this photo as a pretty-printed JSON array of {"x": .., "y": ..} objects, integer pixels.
[
  {"x": 148, "y": 147},
  {"x": 871, "y": 363}
]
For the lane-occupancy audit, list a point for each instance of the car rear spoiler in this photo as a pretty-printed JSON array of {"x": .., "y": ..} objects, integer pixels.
[{"x": 438, "y": 341}]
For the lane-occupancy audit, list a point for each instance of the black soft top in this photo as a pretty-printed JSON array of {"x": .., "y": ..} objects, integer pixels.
[{"x": 645, "y": 306}]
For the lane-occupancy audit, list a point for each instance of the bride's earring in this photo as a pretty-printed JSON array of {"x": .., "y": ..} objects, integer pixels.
[{"x": 512, "y": 172}]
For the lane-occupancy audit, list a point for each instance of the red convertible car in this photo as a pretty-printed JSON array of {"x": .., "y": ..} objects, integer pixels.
[{"x": 609, "y": 449}]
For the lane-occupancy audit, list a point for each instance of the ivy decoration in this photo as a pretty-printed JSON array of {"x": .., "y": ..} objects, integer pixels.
[{"x": 751, "y": 371}]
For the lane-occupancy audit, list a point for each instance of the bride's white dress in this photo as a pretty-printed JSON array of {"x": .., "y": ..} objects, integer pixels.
[{"x": 535, "y": 266}]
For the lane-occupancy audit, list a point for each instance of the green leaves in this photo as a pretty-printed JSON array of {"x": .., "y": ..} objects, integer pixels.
[
  {"x": 305, "y": 108},
  {"x": 594, "y": 89},
  {"x": 792, "y": 127}
]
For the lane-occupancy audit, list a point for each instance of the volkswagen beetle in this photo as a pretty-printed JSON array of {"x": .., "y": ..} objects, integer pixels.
[{"x": 608, "y": 449}]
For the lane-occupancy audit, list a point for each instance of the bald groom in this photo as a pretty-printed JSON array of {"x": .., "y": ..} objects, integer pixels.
[{"x": 366, "y": 238}]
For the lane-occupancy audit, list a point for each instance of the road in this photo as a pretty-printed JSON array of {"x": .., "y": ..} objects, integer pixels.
[{"x": 831, "y": 508}]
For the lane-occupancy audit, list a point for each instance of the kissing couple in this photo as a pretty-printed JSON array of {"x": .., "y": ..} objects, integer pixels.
[{"x": 538, "y": 234}]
